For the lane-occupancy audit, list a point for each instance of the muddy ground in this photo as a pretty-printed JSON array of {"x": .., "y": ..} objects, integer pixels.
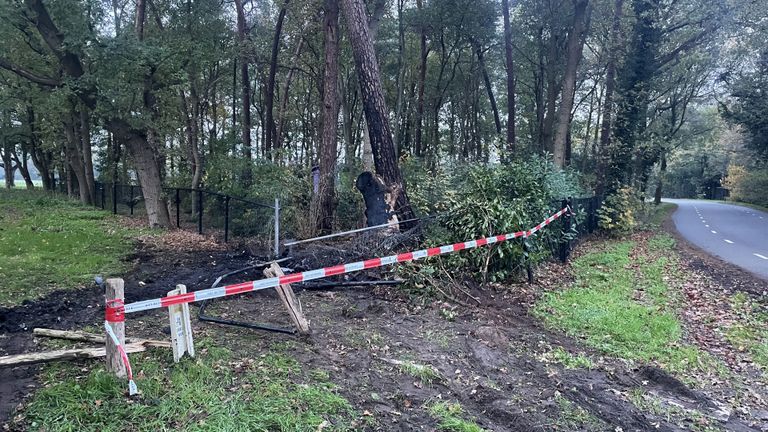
[{"x": 492, "y": 359}]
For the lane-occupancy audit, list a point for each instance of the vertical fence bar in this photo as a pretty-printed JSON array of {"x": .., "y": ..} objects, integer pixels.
[
  {"x": 527, "y": 260},
  {"x": 226, "y": 219},
  {"x": 131, "y": 200},
  {"x": 565, "y": 244},
  {"x": 178, "y": 201},
  {"x": 199, "y": 211},
  {"x": 101, "y": 187},
  {"x": 114, "y": 198},
  {"x": 277, "y": 227}
]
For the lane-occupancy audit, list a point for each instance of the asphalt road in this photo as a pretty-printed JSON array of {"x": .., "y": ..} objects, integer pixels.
[{"x": 733, "y": 233}]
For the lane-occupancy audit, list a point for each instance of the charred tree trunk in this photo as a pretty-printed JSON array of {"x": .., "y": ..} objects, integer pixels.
[
  {"x": 330, "y": 112},
  {"x": 384, "y": 154},
  {"x": 574, "y": 48},
  {"x": 508, "y": 56}
]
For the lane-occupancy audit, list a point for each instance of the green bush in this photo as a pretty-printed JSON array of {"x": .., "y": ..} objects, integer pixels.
[
  {"x": 493, "y": 200},
  {"x": 618, "y": 213},
  {"x": 747, "y": 185}
]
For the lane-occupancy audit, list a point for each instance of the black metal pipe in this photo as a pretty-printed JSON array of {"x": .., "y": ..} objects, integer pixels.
[
  {"x": 114, "y": 198},
  {"x": 226, "y": 219},
  {"x": 131, "y": 200},
  {"x": 101, "y": 186},
  {"x": 199, "y": 212},
  {"x": 178, "y": 211}
]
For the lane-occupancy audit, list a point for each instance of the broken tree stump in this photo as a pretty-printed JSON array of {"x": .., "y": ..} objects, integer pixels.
[{"x": 289, "y": 299}]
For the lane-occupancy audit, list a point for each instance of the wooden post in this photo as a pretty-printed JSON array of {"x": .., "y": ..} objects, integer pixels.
[
  {"x": 115, "y": 293},
  {"x": 289, "y": 299},
  {"x": 181, "y": 327}
]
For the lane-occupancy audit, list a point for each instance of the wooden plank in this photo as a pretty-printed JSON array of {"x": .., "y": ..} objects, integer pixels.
[
  {"x": 68, "y": 354},
  {"x": 286, "y": 294},
  {"x": 116, "y": 291},
  {"x": 79, "y": 336}
]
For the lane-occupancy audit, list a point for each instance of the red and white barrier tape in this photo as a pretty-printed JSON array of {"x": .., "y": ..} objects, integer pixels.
[
  {"x": 262, "y": 284},
  {"x": 115, "y": 313}
]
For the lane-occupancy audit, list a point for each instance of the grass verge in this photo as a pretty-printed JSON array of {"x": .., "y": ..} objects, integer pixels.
[
  {"x": 212, "y": 392},
  {"x": 49, "y": 242},
  {"x": 623, "y": 306}
]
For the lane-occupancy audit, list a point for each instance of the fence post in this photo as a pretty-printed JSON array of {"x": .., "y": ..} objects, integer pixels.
[
  {"x": 226, "y": 219},
  {"x": 115, "y": 295},
  {"x": 131, "y": 200},
  {"x": 114, "y": 197},
  {"x": 527, "y": 260},
  {"x": 565, "y": 244},
  {"x": 199, "y": 211},
  {"x": 178, "y": 201},
  {"x": 101, "y": 186},
  {"x": 277, "y": 227}
]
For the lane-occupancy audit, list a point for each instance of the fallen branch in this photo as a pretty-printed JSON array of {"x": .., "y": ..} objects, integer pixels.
[
  {"x": 69, "y": 354},
  {"x": 95, "y": 338}
]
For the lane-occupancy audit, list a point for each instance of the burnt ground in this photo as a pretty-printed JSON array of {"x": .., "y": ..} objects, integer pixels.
[{"x": 495, "y": 359}]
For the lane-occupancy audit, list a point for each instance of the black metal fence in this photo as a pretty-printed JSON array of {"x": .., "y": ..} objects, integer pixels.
[{"x": 200, "y": 210}]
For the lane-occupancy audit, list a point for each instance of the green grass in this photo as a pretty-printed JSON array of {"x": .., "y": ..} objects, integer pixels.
[
  {"x": 425, "y": 373},
  {"x": 213, "y": 392},
  {"x": 49, "y": 242},
  {"x": 652, "y": 216},
  {"x": 450, "y": 418},
  {"x": 568, "y": 360},
  {"x": 602, "y": 308}
]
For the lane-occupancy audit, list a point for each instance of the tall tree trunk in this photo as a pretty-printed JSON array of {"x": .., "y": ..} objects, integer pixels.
[
  {"x": 488, "y": 87},
  {"x": 417, "y": 144},
  {"x": 269, "y": 95},
  {"x": 281, "y": 116},
  {"x": 72, "y": 150},
  {"x": 245, "y": 93},
  {"x": 610, "y": 84},
  {"x": 85, "y": 138},
  {"x": 573, "y": 51},
  {"x": 508, "y": 56},
  {"x": 384, "y": 154},
  {"x": 662, "y": 173},
  {"x": 400, "y": 77},
  {"x": 330, "y": 112}
]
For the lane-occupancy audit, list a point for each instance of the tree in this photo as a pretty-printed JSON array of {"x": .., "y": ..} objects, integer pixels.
[
  {"x": 330, "y": 110},
  {"x": 510, "y": 63},
  {"x": 374, "y": 106}
]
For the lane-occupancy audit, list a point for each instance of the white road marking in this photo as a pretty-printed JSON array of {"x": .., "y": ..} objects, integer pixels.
[
  {"x": 727, "y": 241},
  {"x": 706, "y": 226},
  {"x": 704, "y": 221},
  {"x": 714, "y": 232},
  {"x": 760, "y": 256}
]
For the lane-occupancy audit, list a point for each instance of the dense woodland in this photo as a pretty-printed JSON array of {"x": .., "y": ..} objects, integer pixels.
[{"x": 666, "y": 97}]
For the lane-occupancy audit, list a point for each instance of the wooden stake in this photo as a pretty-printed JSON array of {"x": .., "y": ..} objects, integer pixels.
[
  {"x": 289, "y": 299},
  {"x": 115, "y": 291},
  {"x": 181, "y": 327}
]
